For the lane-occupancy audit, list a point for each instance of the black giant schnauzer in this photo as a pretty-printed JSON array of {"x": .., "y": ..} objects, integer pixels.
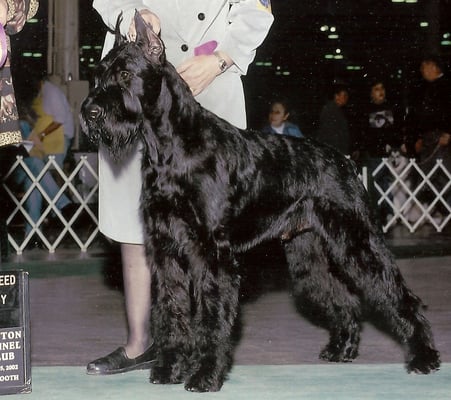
[{"x": 211, "y": 191}]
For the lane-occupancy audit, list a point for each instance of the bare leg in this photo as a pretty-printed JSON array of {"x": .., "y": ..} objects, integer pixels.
[
  {"x": 136, "y": 354},
  {"x": 137, "y": 280}
]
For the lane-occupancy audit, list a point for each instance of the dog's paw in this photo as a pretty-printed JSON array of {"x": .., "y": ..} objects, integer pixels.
[
  {"x": 201, "y": 383},
  {"x": 159, "y": 379},
  {"x": 424, "y": 363},
  {"x": 163, "y": 376},
  {"x": 338, "y": 355}
]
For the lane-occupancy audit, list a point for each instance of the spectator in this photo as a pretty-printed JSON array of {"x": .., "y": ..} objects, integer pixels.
[
  {"x": 13, "y": 15},
  {"x": 429, "y": 118},
  {"x": 54, "y": 126},
  {"x": 429, "y": 121},
  {"x": 278, "y": 121},
  {"x": 34, "y": 162},
  {"x": 380, "y": 125},
  {"x": 380, "y": 132},
  {"x": 334, "y": 127}
]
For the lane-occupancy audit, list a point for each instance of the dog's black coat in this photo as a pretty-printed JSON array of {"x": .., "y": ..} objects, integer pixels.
[{"x": 211, "y": 191}]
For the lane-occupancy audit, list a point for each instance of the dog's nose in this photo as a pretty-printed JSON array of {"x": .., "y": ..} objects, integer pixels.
[{"x": 93, "y": 111}]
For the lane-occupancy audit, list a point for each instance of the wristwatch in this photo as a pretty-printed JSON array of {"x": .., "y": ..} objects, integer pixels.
[{"x": 221, "y": 62}]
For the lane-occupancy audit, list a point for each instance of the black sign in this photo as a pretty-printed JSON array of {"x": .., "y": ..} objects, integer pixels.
[{"x": 15, "y": 367}]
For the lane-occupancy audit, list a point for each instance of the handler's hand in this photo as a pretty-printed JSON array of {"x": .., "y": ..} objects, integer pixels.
[
  {"x": 198, "y": 72},
  {"x": 150, "y": 18}
]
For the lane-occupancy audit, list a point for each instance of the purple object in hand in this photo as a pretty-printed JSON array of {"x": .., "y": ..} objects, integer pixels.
[{"x": 206, "y": 48}]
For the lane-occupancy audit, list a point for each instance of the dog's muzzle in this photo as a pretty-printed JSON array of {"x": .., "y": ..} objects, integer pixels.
[
  {"x": 90, "y": 116},
  {"x": 92, "y": 112}
]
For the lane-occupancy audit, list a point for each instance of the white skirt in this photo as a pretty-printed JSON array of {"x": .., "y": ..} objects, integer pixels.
[{"x": 119, "y": 198}]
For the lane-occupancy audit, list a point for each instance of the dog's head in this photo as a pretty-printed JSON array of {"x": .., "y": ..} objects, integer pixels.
[
  {"x": 112, "y": 114},
  {"x": 396, "y": 158}
]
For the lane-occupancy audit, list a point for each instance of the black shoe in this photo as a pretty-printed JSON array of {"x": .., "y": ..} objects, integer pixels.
[{"x": 117, "y": 362}]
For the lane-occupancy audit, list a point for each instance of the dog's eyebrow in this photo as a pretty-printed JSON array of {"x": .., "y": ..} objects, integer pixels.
[{"x": 119, "y": 55}]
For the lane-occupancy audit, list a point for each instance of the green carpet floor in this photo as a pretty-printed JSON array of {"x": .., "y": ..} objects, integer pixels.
[{"x": 266, "y": 382}]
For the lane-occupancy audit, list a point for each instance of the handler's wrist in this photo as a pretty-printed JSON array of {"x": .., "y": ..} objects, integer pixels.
[{"x": 222, "y": 63}]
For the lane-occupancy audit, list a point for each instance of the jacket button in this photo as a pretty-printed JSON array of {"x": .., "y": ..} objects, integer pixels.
[
  {"x": 201, "y": 16},
  {"x": 184, "y": 47}
]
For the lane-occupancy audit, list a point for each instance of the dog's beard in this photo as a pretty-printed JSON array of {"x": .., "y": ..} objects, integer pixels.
[
  {"x": 117, "y": 135},
  {"x": 119, "y": 141}
]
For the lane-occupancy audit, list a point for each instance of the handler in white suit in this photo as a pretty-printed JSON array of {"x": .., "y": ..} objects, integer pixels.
[{"x": 211, "y": 43}]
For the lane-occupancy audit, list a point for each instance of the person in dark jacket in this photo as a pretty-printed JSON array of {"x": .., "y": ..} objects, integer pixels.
[
  {"x": 380, "y": 124},
  {"x": 429, "y": 123},
  {"x": 333, "y": 123},
  {"x": 429, "y": 118},
  {"x": 380, "y": 133}
]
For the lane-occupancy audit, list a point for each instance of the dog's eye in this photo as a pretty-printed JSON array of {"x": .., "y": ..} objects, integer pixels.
[{"x": 124, "y": 76}]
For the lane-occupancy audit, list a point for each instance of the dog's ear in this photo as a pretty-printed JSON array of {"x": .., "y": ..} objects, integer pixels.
[
  {"x": 147, "y": 39},
  {"x": 118, "y": 37}
]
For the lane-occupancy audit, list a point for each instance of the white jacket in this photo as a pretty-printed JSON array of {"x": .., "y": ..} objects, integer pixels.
[{"x": 238, "y": 27}]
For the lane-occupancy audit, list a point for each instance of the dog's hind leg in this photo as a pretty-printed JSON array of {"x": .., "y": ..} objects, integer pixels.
[
  {"x": 359, "y": 258},
  {"x": 398, "y": 310},
  {"x": 215, "y": 295},
  {"x": 322, "y": 298}
]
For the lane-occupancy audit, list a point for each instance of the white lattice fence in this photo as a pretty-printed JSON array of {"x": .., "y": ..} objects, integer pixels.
[
  {"x": 411, "y": 196},
  {"x": 54, "y": 228}
]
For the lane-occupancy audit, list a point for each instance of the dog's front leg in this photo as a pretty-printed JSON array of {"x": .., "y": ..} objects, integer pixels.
[
  {"x": 216, "y": 287},
  {"x": 171, "y": 328}
]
